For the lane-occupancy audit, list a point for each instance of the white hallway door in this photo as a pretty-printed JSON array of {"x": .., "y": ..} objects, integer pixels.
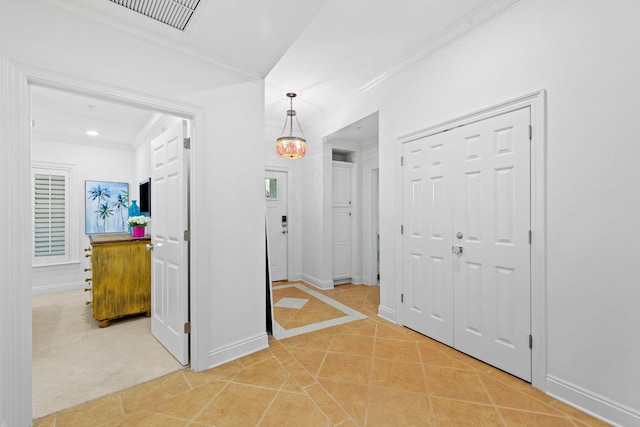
[
  {"x": 341, "y": 219},
  {"x": 277, "y": 223},
  {"x": 170, "y": 259},
  {"x": 466, "y": 248}
]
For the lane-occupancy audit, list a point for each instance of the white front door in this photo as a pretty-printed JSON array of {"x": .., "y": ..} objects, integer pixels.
[
  {"x": 170, "y": 259},
  {"x": 277, "y": 223},
  {"x": 466, "y": 248}
]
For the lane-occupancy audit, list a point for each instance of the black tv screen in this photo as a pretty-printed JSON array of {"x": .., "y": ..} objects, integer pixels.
[{"x": 145, "y": 197}]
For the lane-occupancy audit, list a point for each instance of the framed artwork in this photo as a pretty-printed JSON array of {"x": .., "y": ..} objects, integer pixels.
[{"x": 106, "y": 207}]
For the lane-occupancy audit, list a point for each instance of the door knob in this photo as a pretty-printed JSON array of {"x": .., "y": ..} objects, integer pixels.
[
  {"x": 150, "y": 246},
  {"x": 459, "y": 235},
  {"x": 457, "y": 250},
  {"x": 284, "y": 231}
]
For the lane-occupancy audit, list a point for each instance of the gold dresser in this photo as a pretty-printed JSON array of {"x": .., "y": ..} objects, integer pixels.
[{"x": 121, "y": 276}]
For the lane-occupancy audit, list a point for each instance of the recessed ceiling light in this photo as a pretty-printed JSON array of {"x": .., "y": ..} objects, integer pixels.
[{"x": 92, "y": 133}]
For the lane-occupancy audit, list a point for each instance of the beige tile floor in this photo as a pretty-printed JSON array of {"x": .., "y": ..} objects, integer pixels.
[{"x": 366, "y": 372}]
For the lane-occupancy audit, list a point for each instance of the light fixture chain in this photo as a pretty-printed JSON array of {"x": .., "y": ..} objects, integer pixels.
[{"x": 299, "y": 127}]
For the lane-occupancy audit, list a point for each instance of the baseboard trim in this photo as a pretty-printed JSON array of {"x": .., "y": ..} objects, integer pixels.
[
  {"x": 61, "y": 287},
  {"x": 387, "y": 314},
  {"x": 237, "y": 350},
  {"x": 320, "y": 284},
  {"x": 593, "y": 404}
]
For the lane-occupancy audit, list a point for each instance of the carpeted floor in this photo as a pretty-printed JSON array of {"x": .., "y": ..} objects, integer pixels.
[{"x": 74, "y": 361}]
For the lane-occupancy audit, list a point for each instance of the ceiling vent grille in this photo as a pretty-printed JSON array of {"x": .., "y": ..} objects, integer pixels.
[{"x": 175, "y": 13}]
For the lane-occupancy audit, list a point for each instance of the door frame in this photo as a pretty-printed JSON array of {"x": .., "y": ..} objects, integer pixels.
[
  {"x": 292, "y": 225},
  {"x": 16, "y": 80},
  {"x": 536, "y": 101}
]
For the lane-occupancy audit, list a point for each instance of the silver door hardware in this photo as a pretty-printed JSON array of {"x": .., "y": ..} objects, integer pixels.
[
  {"x": 459, "y": 235},
  {"x": 457, "y": 250},
  {"x": 150, "y": 246},
  {"x": 284, "y": 231}
]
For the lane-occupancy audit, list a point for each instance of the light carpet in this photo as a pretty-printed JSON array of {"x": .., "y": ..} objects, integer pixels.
[{"x": 74, "y": 361}]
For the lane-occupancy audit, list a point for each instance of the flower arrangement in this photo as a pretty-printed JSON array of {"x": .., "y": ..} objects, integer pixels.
[{"x": 138, "y": 221}]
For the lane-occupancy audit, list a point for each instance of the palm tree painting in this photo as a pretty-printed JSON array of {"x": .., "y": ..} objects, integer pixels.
[{"x": 106, "y": 207}]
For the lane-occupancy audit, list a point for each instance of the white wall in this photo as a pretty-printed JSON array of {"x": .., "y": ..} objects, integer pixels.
[
  {"x": 584, "y": 54},
  {"x": 92, "y": 163},
  {"x": 227, "y": 247},
  {"x": 369, "y": 244}
]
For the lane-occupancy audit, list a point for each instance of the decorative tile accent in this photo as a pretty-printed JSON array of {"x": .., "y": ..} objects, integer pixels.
[
  {"x": 287, "y": 302},
  {"x": 279, "y": 332}
]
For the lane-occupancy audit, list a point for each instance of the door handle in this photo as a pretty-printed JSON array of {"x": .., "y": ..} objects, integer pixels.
[
  {"x": 150, "y": 246},
  {"x": 284, "y": 231},
  {"x": 457, "y": 250}
]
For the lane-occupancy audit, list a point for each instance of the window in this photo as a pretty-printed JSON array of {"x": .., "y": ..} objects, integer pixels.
[
  {"x": 271, "y": 188},
  {"x": 51, "y": 230}
]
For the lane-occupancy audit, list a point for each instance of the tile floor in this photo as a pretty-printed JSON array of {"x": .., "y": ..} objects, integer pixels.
[{"x": 366, "y": 372}]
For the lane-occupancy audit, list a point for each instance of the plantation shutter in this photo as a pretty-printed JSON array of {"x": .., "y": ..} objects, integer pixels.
[{"x": 51, "y": 222}]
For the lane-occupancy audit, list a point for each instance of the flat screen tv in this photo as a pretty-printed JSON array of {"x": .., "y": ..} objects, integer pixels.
[{"x": 145, "y": 197}]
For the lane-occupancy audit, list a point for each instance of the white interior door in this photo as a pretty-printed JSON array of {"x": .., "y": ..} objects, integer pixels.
[
  {"x": 277, "y": 223},
  {"x": 170, "y": 262},
  {"x": 341, "y": 220},
  {"x": 427, "y": 233},
  {"x": 492, "y": 222},
  {"x": 466, "y": 251}
]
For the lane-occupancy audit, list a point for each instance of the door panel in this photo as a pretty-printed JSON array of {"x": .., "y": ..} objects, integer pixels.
[
  {"x": 428, "y": 265},
  {"x": 491, "y": 276},
  {"x": 469, "y": 187},
  {"x": 169, "y": 274},
  {"x": 341, "y": 220},
  {"x": 341, "y": 244}
]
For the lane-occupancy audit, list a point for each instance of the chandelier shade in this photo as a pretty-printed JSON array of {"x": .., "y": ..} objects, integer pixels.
[{"x": 291, "y": 147}]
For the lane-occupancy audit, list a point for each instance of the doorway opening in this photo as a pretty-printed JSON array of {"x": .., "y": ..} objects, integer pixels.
[
  {"x": 120, "y": 153},
  {"x": 354, "y": 213}
]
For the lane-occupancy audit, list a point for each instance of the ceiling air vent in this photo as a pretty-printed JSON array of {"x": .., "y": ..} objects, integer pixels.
[{"x": 175, "y": 13}]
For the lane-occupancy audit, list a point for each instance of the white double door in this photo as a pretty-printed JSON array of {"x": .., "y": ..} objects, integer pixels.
[{"x": 466, "y": 245}]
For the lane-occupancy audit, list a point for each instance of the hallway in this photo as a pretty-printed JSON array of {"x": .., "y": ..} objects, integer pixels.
[{"x": 365, "y": 372}]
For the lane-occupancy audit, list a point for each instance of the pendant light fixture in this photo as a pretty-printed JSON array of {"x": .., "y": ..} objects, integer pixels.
[{"x": 291, "y": 147}]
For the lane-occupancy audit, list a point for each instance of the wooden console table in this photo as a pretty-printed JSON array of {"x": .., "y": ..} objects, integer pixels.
[{"x": 121, "y": 276}]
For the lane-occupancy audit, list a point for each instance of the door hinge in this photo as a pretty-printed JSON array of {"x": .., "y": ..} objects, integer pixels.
[
  {"x": 530, "y": 132},
  {"x": 530, "y": 236},
  {"x": 187, "y": 328},
  {"x": 187, "y": 143},
  {"x": 401, "y": 229},
  {"x": 401, "y": 160},
  {"x": 530, "y": 342},
  {"x": 187, "y": 235},
  {"x": 401, "y": 298}
]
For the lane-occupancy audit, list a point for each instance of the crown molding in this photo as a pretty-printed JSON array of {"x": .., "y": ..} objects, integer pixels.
[
  {"x": 106, "y": 21},
  {"x": 461, "y": 28}
]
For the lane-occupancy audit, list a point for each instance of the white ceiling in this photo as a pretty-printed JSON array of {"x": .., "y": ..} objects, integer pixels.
[{"x": 322, "y": 50}]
